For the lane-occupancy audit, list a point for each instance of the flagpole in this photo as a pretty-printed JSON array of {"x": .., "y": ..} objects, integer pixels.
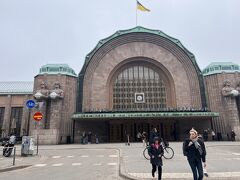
[{"x": 136, "y": 13}]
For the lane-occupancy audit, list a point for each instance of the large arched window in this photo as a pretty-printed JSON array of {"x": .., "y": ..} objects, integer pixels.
[{"x": 139, "y": 88}]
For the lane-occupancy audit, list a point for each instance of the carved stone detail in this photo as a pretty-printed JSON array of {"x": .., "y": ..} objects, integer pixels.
[
  {"x": 57, "y": 92},
  {"x": 43, "y": 93},
  {"x": 228, "y": 90}
]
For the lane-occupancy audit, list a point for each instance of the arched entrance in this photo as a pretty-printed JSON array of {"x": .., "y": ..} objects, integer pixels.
[{"x": 140, "y": 85}]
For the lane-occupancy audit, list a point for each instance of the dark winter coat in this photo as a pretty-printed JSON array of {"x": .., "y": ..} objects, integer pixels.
[
  {"x": 153, "y": 134},
  {"x": 192, "y": 152},
  {"x": 157, "y": 153}
]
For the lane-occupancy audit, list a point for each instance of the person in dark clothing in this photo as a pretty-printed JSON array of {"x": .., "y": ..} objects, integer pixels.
[
  {"x": 153, "y": 134},
  {"x": 89, "y": 137},
  {"x": 195, "y": 151},
  {"x": 233, "y": 134},
  {"x": 155, "y": 152},
  {"x": 205, "y": 135}
]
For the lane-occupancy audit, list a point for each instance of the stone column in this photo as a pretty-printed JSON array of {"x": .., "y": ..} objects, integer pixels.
[
  {"x": 238, "y": 98},
  {"x": 42, "y": 107},
  {"x": 42, "y": 97},
  {"x": 7, "y": 117},
  {"x": 231, "y": 111},
  {"x": 25, "y": 115},
  {"x": 56, "y": 114}
]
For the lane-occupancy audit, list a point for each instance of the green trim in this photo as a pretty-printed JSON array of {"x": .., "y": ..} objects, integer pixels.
[
  {"x": 54, "y": 69},
  {"x": 139, "y": 29},
  {"x": 220, "y": 67},
  {"x": 143, "y": 115}
]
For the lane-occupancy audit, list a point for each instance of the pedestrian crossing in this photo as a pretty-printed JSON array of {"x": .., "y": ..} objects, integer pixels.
[
  {"x": 56, "y": 157},
  {"x": 58, "y": 164},
  {"x": 86, "y": 156},
  {"x": 59, "y": 161},
  {"x": 75, "y": 164}
]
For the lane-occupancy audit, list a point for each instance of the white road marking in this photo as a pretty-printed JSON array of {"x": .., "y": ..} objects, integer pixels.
[
  {"x": 56, "y": 157},
  {"x": 76, "y": 164},
  {"x": 84, "y": 156},
  {"x": 59, "y": 164},
  {"x": 97, "y": 164},
  {"x": 40, "y": 165},
  {"x": 237, "y": 154},
  {"x": 70, "y": 156},
  {"x": 113, "y": 155},
  {"x": 112, "y": 164}
]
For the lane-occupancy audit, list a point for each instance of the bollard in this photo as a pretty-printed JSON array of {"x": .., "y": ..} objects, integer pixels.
[
  {"x": 37, "y": 144},
  {"x": 14, "y": 155},
  {"x": 128, "y": 141}
]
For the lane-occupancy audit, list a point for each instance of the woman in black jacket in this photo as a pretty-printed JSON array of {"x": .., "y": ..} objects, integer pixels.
[
  {"x": 195, "y": 151},
  {"x": 155, "y": 152}
]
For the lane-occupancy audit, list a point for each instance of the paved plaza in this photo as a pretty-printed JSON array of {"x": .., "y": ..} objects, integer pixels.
[{"x": 116, "y": 161}]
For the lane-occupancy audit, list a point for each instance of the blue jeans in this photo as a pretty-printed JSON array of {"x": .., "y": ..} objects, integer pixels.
[{"x": 197, "y": 169}]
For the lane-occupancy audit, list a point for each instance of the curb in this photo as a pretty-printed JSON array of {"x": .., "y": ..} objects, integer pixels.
[
  {"x": 14, "y": 168},
  {"x": 122, "y": 169},
  {"x": 124, "y": 174}
]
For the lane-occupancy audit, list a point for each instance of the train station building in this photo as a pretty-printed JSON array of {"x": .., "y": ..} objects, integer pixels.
[{"x": 132, "y": 81}]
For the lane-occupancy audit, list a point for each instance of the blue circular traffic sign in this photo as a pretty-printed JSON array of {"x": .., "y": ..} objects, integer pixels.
[{"x": 30, "y": 104}]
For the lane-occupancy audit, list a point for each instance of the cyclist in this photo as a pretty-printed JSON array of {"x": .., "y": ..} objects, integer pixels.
[{"x": 153, "y": 134}]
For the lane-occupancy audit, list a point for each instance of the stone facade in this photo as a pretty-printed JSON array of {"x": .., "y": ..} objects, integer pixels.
[
  {"x": 14, "y": 101},
  {"x": 60, "y": 94},
  {"x": 220, "y": 102},
  {"x": 14, "y": 116},
  {"x": 167, "y": 56},
  {"x": 56, "y": 125},
  {"x": 178, "y": 68}
]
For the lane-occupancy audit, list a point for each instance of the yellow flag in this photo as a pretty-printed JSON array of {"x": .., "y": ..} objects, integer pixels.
[{"x": 141, "y": 7}]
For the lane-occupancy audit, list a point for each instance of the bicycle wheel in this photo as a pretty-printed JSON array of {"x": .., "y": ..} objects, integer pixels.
[
  {"x": 168, "y": 153},
  {"x": 145, "y": 153}
]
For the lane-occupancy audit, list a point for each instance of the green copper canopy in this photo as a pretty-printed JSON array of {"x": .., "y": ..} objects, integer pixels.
[
  {"x": 57, "y": 69},
  {"x": 84, "y": 116},
  {"x": 219, "y": 67},
  {"x": 138, "y": 29}
]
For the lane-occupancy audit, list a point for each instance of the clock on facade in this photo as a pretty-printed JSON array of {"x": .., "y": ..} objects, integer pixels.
[{"x": 139, "y": 98}]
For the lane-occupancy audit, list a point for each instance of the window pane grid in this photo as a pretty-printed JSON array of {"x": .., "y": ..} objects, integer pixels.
[{"x": 139, "y": 79}]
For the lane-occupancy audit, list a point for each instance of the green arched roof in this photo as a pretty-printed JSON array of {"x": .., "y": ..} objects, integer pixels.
[
  {"x": 138, "y": 29},
  {"x": 57, "y": 69},
  {"x": 219, "y": 67}
]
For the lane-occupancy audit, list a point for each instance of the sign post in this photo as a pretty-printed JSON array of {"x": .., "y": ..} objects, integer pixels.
[
  {"x": 37, "y": 117},
  {"x": 30, "y": 104}
]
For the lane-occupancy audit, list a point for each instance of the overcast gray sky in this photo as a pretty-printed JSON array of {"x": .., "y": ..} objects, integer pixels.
[{"x": 36, "y": 32}]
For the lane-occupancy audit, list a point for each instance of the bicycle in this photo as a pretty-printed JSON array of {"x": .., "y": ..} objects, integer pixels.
[{"x": 168, "y": 151}]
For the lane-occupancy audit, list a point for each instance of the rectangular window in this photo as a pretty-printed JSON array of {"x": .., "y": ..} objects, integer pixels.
[
  {"x": 16, "y": 119},
  {"x": 135, "y": 68},
  {"x": 2, "y": 110},
  {"x": 140, "y": 72}
]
